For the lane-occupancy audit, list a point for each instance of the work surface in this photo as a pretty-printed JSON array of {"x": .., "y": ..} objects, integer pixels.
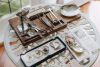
[{"x": 87, "y": 8}]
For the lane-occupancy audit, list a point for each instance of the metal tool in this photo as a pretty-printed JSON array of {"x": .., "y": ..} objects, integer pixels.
[
  {"x": 54, "y": 16},
  {"x": 22, "y": 14}
]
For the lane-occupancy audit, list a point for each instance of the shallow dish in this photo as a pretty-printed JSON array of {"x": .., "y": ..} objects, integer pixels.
[{"x": 70, "y": 10}]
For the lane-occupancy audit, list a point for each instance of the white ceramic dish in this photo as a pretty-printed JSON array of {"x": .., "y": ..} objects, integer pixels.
[{"x": 70, "y": 10}]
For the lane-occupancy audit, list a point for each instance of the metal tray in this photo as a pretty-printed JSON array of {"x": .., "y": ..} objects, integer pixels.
[{"x": 52, "y": 53}]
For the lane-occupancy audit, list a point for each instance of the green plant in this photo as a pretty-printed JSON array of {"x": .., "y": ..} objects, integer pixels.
[
  {"x": 15, "y": 5},
  {"x": 4, "y": 9}
]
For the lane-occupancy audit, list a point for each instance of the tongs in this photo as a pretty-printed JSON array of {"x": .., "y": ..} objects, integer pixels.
[
  {"x": 44, "y": 20},
  {"x": 51, "y": 12}
]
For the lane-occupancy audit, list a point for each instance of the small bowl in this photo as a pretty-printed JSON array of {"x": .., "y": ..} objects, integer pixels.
[{"x": 70, "y": 10}]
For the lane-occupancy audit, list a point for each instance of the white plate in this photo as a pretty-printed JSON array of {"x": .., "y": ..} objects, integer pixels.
[{"x": 70, "y": 10}]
